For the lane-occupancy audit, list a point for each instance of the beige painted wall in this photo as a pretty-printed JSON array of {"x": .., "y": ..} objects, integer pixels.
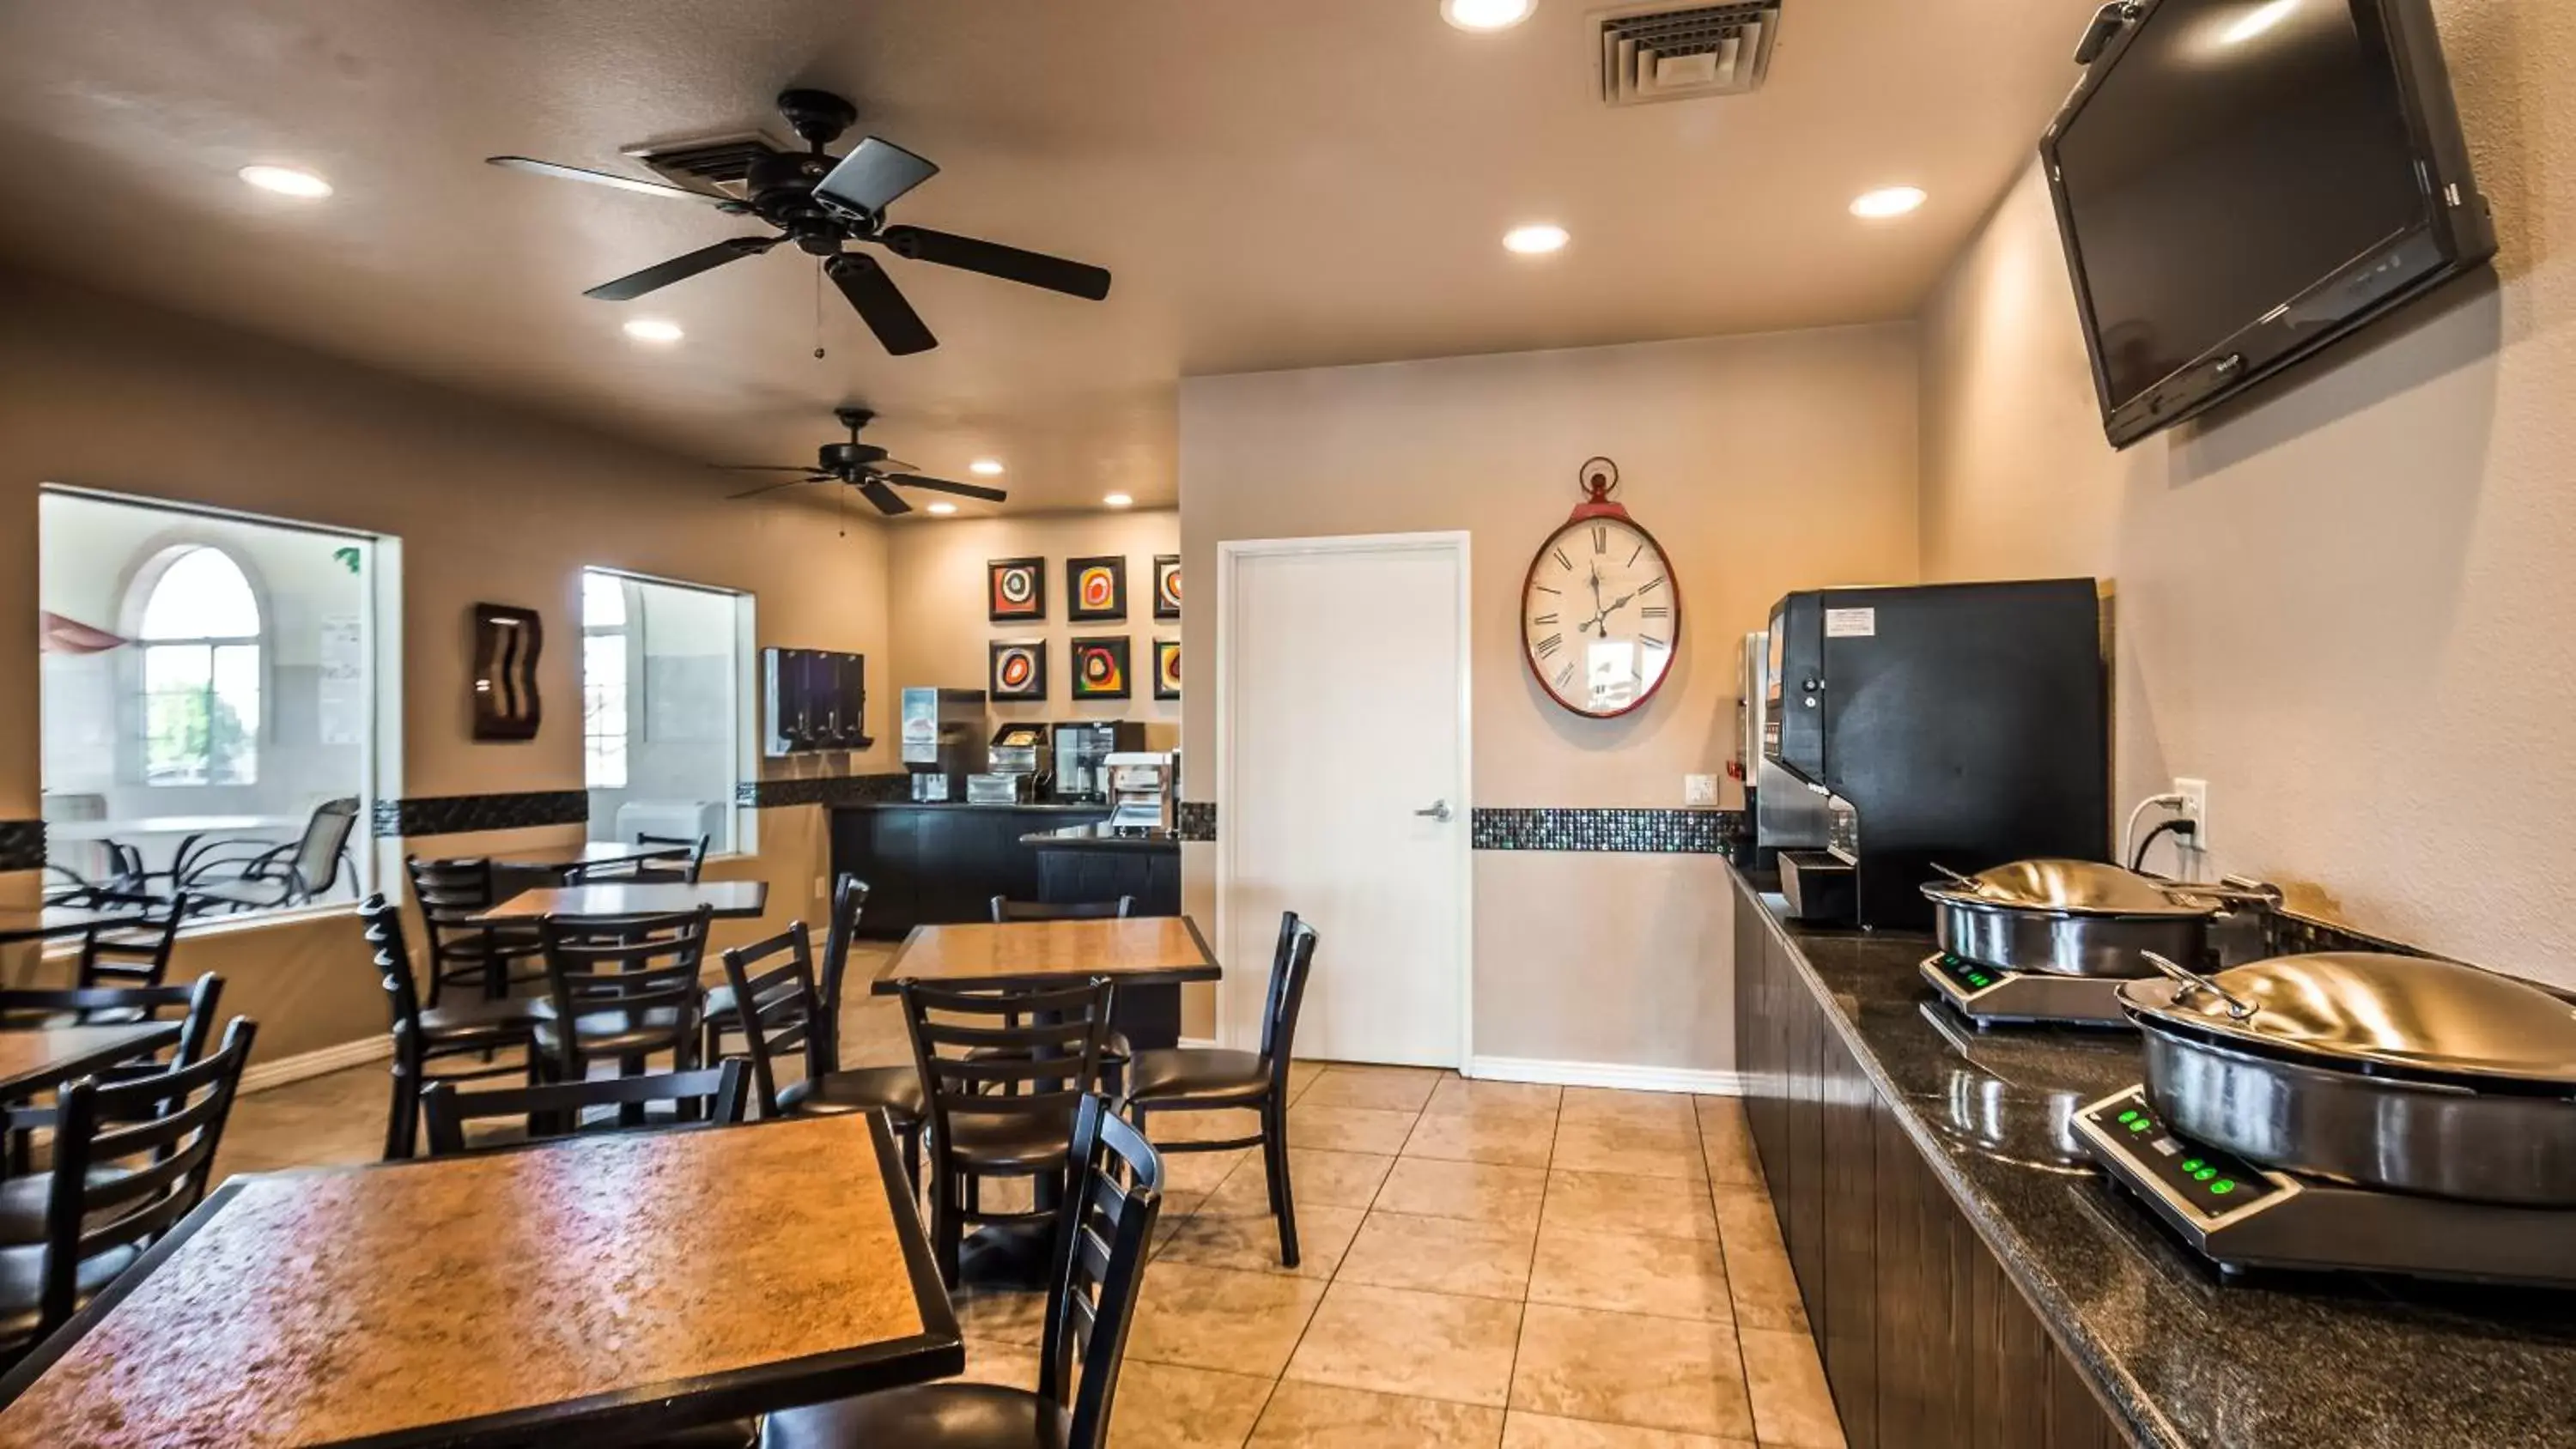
[
  {"x": 939, "y": 628},
  {"x": 1761, "y": 463},
  {"x": 2345, "y": 602},
  {"x": 490, "y": 504}
]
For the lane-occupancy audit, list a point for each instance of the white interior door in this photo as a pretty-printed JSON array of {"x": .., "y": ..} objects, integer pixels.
[{"x": 1343, "y": 766}]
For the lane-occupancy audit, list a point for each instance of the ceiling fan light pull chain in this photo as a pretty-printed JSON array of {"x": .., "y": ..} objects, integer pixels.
[{"x": 818, "y": 310}]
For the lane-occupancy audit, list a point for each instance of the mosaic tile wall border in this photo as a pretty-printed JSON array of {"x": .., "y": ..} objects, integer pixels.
[
  {"x": 1619, "y": 831},
  {"x": 823, "y": 790},
  {"x": 459, "y": 814},
  {"x": 22, "y": 845}
]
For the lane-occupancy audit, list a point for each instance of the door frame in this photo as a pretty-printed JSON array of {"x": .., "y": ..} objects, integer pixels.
[{"x": 1229, "y": 555}]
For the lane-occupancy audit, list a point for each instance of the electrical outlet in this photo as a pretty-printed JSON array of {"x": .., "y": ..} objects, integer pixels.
[
  {"x": 2195, "y": 808},
  {"x": 1699, "y": 789},
  {"x": 822, "y": 887}
]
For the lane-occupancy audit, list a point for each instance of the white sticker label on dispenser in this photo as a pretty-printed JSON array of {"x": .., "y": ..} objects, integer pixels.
[{"x": 1851, "y": 623}]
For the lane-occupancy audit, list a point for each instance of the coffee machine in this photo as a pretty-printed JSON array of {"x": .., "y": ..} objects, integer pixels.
[
  {"x": 1952, "y": 725},
  {"x": 1082, "y": 751},
  {"x": 943, "y": 740}
]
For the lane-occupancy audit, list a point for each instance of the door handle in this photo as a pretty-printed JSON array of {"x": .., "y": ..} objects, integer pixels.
[{"x": 1439, "y": 811}]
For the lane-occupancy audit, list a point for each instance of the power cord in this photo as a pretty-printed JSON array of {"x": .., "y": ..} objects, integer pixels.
[
  {"x": 2183, "y": 831},
  {"x": 2170, "y": 800}
]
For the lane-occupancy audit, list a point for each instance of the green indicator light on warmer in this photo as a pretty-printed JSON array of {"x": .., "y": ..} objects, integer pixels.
[
  {"x": 1976, "y": 981},
  {"x": 2128, "y": 1117},
  {"x": 2191, "y": 1164},
  {"x": 2140, "y": 1125},
  {"x": 2223, "y": 1186},
  {"x": 2206, "y": 1173}
]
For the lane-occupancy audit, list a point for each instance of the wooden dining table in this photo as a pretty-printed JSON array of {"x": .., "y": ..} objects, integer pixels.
[
  {"x": 726, "y": 900},
  {"x": 588, "y": 1291},
  {"x": 39, "y": 1059},
  {"x": 1149, "y": 957}
]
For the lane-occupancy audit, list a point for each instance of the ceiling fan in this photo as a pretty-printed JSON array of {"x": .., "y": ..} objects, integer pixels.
[
  {"x": 863, "y": 466},
  {"x": 821, "y": 203}
]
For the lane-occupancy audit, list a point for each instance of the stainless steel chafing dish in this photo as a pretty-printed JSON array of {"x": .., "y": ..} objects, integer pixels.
[
  {"x": 2074, "y": 917},
  {"x": 2399, "y": 1072}
]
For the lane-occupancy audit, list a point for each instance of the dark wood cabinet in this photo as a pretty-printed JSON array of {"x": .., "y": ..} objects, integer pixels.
[
  {"x": 941, "y": 864},
  {"x": 1072, "y": 874},
  {"x": 1925, "y": 1342}
]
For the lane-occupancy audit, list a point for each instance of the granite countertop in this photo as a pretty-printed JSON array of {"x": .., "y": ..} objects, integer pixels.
[
  {"x": 2184, "y": 1358},
  {"x": 1101, "y": 837}
]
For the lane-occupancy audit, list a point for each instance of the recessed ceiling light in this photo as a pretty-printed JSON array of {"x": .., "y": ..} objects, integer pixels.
[
  {"x": 654, "y": 329},
  {"x": 1486, "y": 14},
  {"x": 943, "y": 509},
  {"x": 2258, "y": 20},
  {"x": 1118, "y": 500},
  {"x": 1887, "y": 201},
  {"x": 286, "y": 181},
  {"x": 985, "y": 467},
  {"x": 1534, "y": 241}
]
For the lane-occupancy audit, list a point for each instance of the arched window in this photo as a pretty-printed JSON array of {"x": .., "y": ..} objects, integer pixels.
[
  {"x": 201, "y": 671},
  {"x": 603, "y": 680}
]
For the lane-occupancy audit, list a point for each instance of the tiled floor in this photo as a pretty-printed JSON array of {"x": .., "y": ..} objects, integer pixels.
[{"x": 1484, "y": 1264}]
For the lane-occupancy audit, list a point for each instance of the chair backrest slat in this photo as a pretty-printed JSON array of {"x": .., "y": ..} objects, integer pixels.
[
  {"x": 706, "y": 1097},
  {"x": 999, "y": 1054},
  {"x": 131, "y": 950},
  {"x": 627, "y": 963},
  {"x": 775, "y": 999},
  {"x": 1006, "y": 910},
  {"x": 849, "y": 903},
  {"x": 196, "y": 1001},
  {"x": 382, "y": 922},
  {"x": 93, "y": 1208},
  {"x": 1099, "y": 1268},
  {"x": 1291, "y": 962}
]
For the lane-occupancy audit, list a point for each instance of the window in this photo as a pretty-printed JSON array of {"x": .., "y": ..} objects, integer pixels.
[
  {"x": 201, "y": 672},
  {"x": 208, "y": 703},
  {"x": 603, "y": 680},
  {"x": 662, "y": 680}
]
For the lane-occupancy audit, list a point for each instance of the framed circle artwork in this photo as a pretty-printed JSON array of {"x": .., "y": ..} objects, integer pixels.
[
  {"x": 1015, "y": 590},
  {"x": 1018, "y": 670},
  {"x": 1096, "y": 589}
]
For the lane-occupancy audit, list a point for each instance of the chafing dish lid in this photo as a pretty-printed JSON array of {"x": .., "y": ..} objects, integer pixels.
[
  {"x": 2070, "y": 887},
  {"x": 2359, "y": 1009}
]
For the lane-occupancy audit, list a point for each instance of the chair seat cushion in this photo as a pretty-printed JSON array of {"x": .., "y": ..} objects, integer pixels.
[
  {"x": 23, "y": 1201},
  {"x": 612, "y": 1033},
  {"x": 22, "y": 1285},
  {"x": 511, "y": 1016},
  {"x": 1194, "y": 1072},
  {"x": 930, "y": 1416},
  {"x": 1011, "y": 1141},
  {"x": 897, "y": 1089}
]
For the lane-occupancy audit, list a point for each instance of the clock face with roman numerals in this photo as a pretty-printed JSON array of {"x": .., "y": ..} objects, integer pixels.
[{"x": 1600, "y": 616}]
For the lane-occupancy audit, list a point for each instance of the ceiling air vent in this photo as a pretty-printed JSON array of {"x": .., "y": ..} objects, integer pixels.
[
  {"x": 718, "y": 163},
  {"x": 1673, "y": 53}
]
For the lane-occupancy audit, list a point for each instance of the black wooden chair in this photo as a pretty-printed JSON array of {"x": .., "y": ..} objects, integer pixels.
[
  {"x": 1104, "y": 1228},
  {"x": 490, "y": 959},
  {"x": 22, "y": 1195},
  {"x": 677, "y": 860},
  {"x": 130, "y": 1160},
  {"x": 624, "y": 989},
  {"x": 133, "y": 950},
  {"x": 702, "y": 1097},
  {"x": 1212, "y": 1079},
  {"x": 1003, "y": 1072},
  {"x": 456, "y": 1042},
  {"x": 776, "y": 977},
  {"x": 248, "y": 875},
  {"x": 1006, "y": 910},
  {"x": 849, "y": 902}
]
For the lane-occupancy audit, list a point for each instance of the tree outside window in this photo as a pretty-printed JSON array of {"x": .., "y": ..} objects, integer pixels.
[{"x": 201, "y": 673}]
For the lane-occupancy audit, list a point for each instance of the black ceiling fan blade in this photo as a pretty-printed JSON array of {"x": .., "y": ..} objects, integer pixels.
[
  {"x": 880, "y": 304},
  {"x": 681, "y": 268},
  {"x": 818, "y": 474},
  {"x": 886, "y": 499},
  {"x": 1036, "y": 269},
  {"x": 942, "y": 485},
  {"x": 868, "y": 180},
  {"x": 535, "y": 167},
  {"x": 774, "y": 487}
]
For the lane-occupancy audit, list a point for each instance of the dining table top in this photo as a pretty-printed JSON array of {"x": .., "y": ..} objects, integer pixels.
[
  {"x": 1135, "y": 950},
  {"x": 169, "y": 825},
  {"x": 726, "y": 900},
  {"x": 598, "y": 1289},
  {"x": 38, "y": 1059}
]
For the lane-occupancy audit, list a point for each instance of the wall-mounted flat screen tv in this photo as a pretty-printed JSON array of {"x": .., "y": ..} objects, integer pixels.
[{"x": 2241, "y": 182}]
